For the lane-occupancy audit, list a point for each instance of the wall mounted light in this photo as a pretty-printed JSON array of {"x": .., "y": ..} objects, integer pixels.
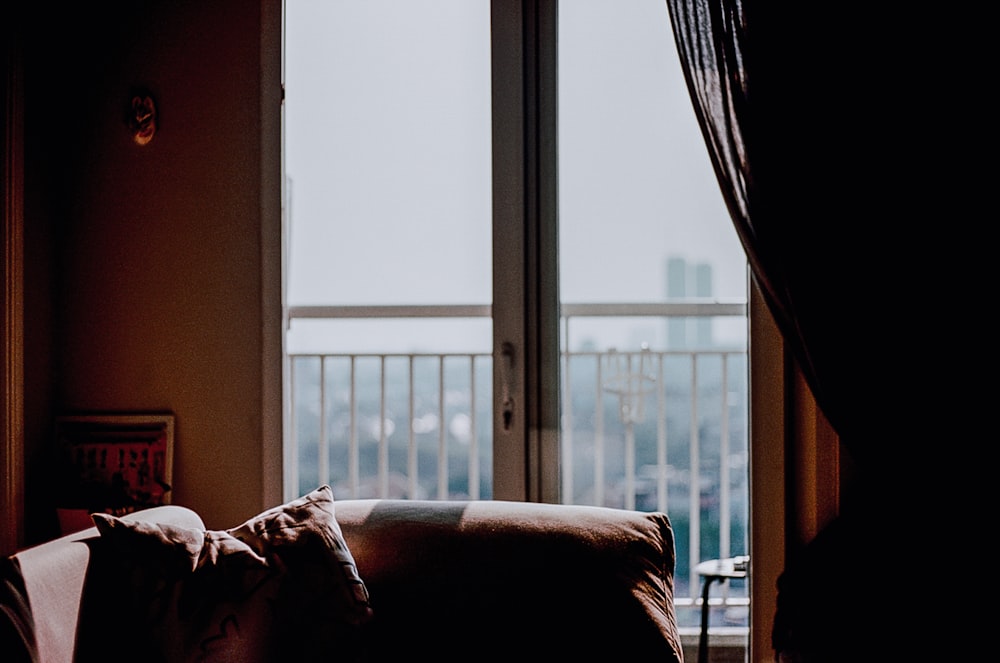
[{"x": 142, "y": 118}]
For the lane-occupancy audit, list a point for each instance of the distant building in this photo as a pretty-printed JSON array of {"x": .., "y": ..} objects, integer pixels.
[{"x": 685, "y": 281}]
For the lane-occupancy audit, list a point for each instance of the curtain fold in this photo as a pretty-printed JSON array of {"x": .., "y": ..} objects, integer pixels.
[
  {"x": 825, "y": 129},
  {"x": 822, "y": 124},
  {"x": 712, "y": 43}
]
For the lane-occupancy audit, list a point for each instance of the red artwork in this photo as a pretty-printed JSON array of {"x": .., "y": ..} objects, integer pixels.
[{"x": 115, "y": 463}]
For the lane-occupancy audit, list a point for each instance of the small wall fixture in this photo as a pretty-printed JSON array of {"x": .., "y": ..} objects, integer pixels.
[{"x": 142, "y": 118}]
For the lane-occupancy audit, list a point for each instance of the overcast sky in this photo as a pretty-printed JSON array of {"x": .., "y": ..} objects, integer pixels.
[{"x": 387, "y": 132}]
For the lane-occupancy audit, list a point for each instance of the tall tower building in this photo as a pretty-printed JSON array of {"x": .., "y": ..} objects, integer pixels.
[{"x": 686, "y": 281}]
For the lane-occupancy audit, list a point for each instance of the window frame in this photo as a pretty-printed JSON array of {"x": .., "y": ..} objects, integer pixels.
[
  {"x": 525, "y": 251},
  {"x": 525, "y": 248}
]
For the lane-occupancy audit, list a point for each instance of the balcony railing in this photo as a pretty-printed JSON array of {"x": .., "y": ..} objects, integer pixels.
[{"x": 644, "y": 428}]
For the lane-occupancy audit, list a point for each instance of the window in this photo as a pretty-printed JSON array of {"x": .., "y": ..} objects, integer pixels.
[{"x": 495, "y": 283}]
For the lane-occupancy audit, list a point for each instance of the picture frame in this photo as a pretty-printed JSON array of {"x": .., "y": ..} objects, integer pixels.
[{"x": 114, "y": 463}]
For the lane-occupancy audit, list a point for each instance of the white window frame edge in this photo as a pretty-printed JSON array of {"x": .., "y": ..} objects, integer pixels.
[
  {"x": 273, "y": 254},
  {"x": 525, "y": 250}
]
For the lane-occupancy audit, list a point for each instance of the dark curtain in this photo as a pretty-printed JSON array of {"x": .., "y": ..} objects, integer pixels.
[{"x": 830, "y": 128}]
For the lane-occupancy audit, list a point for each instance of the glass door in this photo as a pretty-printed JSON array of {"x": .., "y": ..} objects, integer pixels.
[{"x": 389, "y": 233}]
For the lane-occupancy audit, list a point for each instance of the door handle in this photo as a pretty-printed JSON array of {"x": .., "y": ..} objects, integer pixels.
[{"x": 506, "y": 379}]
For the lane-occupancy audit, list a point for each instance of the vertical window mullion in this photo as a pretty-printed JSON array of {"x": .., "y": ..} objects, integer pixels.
[{"x": 525, "y": 249}]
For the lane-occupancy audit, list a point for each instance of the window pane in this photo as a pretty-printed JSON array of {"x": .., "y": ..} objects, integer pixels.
[
  {"x": 655, "y": 409},
  {"x": 387, "y": 130},
  {"x": 639, "y": 204}
]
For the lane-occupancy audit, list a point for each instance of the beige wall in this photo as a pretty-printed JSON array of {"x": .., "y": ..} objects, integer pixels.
[{"x": 161, "y": 293}]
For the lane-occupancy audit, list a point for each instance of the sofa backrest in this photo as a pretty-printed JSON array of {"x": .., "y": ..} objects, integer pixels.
[
  {"x": 447, "y": 581},
  {"x": 454, "y": 581}
]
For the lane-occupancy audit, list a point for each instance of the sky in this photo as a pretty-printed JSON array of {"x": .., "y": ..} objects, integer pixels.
[{"x": 387, "y": 158}]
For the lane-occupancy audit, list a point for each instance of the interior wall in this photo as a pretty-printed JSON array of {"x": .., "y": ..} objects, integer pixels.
[
  {"x": 152, "y": 299},
  {"x": 12, "y": 300}
]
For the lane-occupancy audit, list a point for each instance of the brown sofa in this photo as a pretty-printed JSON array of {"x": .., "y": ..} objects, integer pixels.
[{"x": 387, "y": 580}]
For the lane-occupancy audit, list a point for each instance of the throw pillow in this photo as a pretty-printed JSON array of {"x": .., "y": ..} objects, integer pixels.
[
  {"x": 283, "y": 583},
  {"x": 322, "y": 600}
]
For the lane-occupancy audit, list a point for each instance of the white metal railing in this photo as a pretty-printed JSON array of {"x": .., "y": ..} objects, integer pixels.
[{"x": 635, "y": 423}]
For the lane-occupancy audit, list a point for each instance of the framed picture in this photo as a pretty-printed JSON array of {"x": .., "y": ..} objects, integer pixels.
[{"x": 114, "y": 463}]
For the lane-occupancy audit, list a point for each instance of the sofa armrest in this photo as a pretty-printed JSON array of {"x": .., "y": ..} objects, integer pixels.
[
  {"x": 51, "y": 577},
  {"x": 449, "y": 580},
  {"x": 17, "y": 628}
]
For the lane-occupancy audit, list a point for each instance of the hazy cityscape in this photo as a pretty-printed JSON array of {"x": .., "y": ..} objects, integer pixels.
[{"x": 600, "y": 420}]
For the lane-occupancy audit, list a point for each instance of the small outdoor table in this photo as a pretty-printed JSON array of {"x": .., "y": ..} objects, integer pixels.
[{"x": 712, "y": 570}]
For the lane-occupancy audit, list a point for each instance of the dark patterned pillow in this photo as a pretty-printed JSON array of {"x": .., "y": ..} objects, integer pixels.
[
  {"x": 322, "y": 600},
  {"x": 282, "y": 584}
]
